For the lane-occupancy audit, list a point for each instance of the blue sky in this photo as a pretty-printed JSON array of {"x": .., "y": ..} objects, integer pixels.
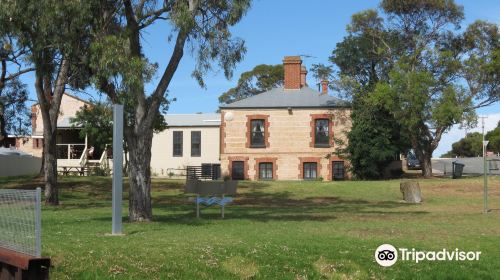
[{"x": 273, "y": 29}]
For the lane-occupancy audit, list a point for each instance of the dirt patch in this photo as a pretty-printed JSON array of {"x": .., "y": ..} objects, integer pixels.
[
  {"x": 241, "y": 267},
  {"x": 461, "y": 187},
  {"x": 339, "y": 269}
]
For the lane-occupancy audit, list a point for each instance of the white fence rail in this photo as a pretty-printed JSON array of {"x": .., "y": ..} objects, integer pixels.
[
  {"x": 17, "y": 165},
  {"x": 474, "y": 165}
]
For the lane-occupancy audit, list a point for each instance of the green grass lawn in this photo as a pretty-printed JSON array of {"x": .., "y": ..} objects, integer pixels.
[{"x": 273, "y": 230}]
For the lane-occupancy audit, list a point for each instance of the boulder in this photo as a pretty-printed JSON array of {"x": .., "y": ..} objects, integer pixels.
[{"x": 411, "y": 192}]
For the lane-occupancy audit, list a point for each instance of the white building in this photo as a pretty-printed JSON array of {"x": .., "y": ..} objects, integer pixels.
[{"x": 189, "y": 140}]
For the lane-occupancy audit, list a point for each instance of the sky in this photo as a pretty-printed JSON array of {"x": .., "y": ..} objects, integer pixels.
[{"x": 273, "y": 29}]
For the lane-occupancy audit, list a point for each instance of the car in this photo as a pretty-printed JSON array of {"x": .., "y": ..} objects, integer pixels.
[{"x": 412, "y": 162}]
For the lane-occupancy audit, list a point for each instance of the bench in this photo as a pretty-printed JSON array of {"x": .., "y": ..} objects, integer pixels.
[
  {"x": 76, "y": 170},
  {"x": 211, "y": 193},
  {"x": 19, "y": 266}
]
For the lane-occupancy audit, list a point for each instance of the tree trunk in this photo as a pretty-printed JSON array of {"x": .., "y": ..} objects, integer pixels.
[
  {"x": 125, "y": 158},
  {"x": 426, "y": 165},
  {"x": 139, "y": 171},
  {"x": 49, "y": 101},
  {"x": 50, "y": 167},
  {"x": 41, "y": 173},
  {"x": 3, "y": 133},
  {"x": 424, "y": 155}
]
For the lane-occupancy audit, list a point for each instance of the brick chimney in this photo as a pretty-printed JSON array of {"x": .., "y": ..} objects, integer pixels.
[
  {"x": 291, "y": 65},
  {"x": 324, "y": 86},
  {"x": 303, "y": 74}
]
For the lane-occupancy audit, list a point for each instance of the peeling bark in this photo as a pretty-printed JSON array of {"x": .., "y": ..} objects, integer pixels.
[
  {"x": 50, "y": 168},
  {"x": 140, "y": 176}
]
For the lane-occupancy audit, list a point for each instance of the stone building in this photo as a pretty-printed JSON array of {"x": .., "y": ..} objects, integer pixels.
[
  {"x": 286, "y": 133},
  {"x": 70, "y": 145}
]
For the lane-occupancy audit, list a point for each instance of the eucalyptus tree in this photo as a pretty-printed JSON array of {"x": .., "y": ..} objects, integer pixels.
[
  {"x": 322, "y": 72},
  {"x": 261, "y": 78},
  {"x": 361, "y": 60},
  {"x": 55, "y": 36},
  {"x": 122, "y": 70},
  {"x": 438, "y": 74},
  {"x": 14, "y": 114}
]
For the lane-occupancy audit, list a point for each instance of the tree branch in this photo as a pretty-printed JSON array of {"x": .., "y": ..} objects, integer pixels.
[
  {"x": 129, "y": 15},
  {"x": 42, "y": 100},
  {"x": 135, "y": 51},
  {"x": 149, "y": 18},
  {"x": 109, "y": 89},
  {"x": 437, "y": 137},
  {"x": 166, "y": 78},
  {"x": 19, "y": 73},
  {"x": 59, "y": 87},
  {"x": 140, "y": 6},
  {"x": 2, "y": 75}
]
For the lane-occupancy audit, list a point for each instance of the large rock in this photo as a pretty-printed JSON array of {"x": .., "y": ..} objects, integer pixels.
[{"x": 411, "y": 192}]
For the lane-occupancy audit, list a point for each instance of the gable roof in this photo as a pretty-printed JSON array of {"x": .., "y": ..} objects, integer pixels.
[
  {"x": 305, "y": 97},
  {"x": 72, "y": 96},
  {"x": 78, "y": 98},
  {"x": 183, "y": 120}
]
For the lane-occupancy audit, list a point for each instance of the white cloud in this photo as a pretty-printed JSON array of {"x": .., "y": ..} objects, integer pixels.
[{"x": 456, "y": 133}]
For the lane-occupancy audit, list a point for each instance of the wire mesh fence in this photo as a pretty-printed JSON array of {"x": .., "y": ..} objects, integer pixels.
[{"x": 20, "y": 221}]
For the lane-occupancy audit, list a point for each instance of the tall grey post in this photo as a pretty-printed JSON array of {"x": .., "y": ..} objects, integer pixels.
[
  {"x": 485, "y": 192},
  {"x": 117, "y": 168}
]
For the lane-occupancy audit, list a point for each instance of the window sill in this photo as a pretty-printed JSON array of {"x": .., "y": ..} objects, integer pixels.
[
  {"x": 177, "y": 156},
  {"x": 257, "y": 146},
  {"x": 322, "y": 146}
]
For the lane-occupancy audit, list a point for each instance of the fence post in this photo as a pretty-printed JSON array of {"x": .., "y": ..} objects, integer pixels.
[{"x": 38, "y": 222}]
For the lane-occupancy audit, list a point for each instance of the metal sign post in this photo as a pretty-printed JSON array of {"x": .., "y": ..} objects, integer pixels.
[
  {"x": 117, "y": 168},
  {"x": 485, "y": 143}
]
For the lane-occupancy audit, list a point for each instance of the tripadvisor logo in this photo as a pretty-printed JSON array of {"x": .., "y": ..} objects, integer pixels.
[{"x": 387, "y": 255}]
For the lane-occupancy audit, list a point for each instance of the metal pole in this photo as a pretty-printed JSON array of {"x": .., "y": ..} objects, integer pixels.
[
  {"x": 482, "y": 126},
  {"x": 485, "y": 143},
  {"x": 38, "y": 222},
  {"x": 117, "y": 168},
  {"x": 222, "y": 210}
]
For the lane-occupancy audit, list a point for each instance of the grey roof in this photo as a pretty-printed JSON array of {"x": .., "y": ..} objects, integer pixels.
[
  {"x": 205, "y": 119},
  {"x": 306, "y": 97}
]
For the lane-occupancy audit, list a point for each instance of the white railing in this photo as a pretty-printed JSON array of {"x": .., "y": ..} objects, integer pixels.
[
  {"x": 83, "y": 158},
  {"x": 103, "y": 161},
  {"x": 70, "y": 151}
]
